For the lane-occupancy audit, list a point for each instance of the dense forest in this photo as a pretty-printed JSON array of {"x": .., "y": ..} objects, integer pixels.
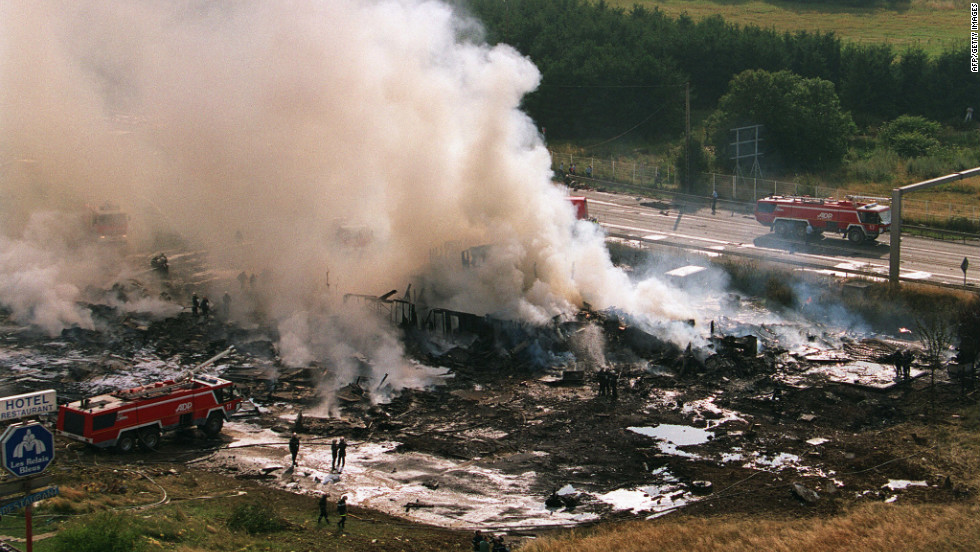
[{"x": 607, "y": 71}]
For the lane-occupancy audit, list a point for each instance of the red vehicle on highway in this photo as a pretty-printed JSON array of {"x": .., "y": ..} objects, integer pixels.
[
  {"x": 581, "y": 205},
  {"x": 796, "y": 217},
  {"x": 124, "y": 418}
]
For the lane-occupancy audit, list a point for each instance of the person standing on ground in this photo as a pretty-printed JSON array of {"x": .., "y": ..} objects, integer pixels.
[
  {"x": 342, "y": 512},
  {"x": 333, "y": 455},
  {"x": 225, "y": 305},
  {"x": 714, "y": 200},
  {"x": 195, "y": 303},
  {"x": 205, "y": 307},
  {"x": 323, "y": 509},
  {"x": 341, "y": 454},
  {"x": 477, "y": 539},
  {"x": 294, "y": 447}
]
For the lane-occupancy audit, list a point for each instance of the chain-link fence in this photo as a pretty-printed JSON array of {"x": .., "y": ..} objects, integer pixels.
[{"x": 637, "y": 173}]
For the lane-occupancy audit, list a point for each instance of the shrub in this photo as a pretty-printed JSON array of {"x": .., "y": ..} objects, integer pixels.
[
  {"x": 105, "y": 532},
  {"x": 942, "y": 162},
  {"x": 911, "y": 136},
  {"x": 255, "y": 519},
  {"x": 912, "y": 144},
  {"x": 879, "y": 167}
]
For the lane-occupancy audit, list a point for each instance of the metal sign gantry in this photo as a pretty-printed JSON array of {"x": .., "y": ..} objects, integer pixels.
[{"x": 895, "y": 257}]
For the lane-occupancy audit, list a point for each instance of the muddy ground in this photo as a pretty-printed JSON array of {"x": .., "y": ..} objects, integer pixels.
[
  {"x": 787, "y": 419},
  {"x": 492, "y": 443}
]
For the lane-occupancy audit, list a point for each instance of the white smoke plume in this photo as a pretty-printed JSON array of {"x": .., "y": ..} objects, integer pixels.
[{"x": 260, "y": 131}]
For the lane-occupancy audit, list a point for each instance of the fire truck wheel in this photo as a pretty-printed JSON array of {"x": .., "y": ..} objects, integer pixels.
[
  {"x": 150, "y": 438},
  {"x": 212, "y": 427},
  {"x": 780, "y": 228},
  {"x": 799, "y": 230},
  {"x": 855, "y": 235},
  {"x": 126, "y": 442}
]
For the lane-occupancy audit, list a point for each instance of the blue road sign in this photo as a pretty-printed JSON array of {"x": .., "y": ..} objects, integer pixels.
[
  {"x": 26, "y": 449},
  {"x": 22, "y": 502}
]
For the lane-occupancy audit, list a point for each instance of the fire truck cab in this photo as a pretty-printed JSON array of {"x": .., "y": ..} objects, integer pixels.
[
  {"x": 108, "y": 223},
  {"x": 122, "y": 419},
  {"x": 795, "y": 217}
]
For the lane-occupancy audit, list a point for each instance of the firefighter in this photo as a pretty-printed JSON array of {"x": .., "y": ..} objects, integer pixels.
[
  {"x": 323, "y": 509},
  {"x": 907, "y": 358},
  {"x": 341, "y": 454},
  {"x": 294, "y": 447},
  {"x": 195, "y": 303},
  {"x": 205, "y": 307},
  {"x": 225, "y": 305},
  {"x": 342, "y": 512},
  {"x": 334, "y": 447}
]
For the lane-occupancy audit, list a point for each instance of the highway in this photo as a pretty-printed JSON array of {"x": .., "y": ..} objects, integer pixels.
[{"x": 733, "y": 230}]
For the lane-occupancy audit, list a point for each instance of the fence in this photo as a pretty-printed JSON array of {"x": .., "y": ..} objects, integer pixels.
[{"x": 637, "y": 173}]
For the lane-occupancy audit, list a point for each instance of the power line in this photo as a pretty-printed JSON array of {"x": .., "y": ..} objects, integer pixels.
[
  {"x": 611, "y": 85},
  {"x": 631, "y": 129}
]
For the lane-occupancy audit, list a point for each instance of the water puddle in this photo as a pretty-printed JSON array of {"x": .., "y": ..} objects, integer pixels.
[
  {"x": 672, "y": 436},
  {"x": 659, "y": 498},
  {"x": 706, "y": 409}
]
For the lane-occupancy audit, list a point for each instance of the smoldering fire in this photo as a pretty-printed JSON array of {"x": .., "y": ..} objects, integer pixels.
[{"x": 254, "y": 130}]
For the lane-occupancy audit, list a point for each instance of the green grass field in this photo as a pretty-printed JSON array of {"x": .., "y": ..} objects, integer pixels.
[{"x": 933, "y": 25}]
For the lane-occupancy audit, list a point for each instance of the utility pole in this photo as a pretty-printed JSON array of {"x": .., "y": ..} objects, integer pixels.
[{"x": 687, "y": 133}]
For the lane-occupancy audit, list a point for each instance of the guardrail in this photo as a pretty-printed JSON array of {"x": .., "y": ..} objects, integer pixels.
[{"x": 939, "y": 233}]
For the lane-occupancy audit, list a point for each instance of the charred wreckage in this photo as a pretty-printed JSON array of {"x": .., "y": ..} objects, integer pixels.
[{"x": 577, "y": 401}]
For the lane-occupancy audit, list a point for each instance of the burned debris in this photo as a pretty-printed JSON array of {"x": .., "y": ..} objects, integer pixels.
[{"x": 597, "y": 404}]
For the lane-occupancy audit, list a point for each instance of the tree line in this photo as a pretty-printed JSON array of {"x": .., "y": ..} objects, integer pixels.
[{"x": 608, "y": 70}]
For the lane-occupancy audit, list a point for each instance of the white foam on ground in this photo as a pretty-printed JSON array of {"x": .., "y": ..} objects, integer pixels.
[
  {"x": 466, "y": 494},
  {"x": 898, "y": 484}
]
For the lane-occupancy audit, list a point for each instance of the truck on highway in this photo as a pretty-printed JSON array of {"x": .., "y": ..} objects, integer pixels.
[
  {"x": 123, "y": 418},
  {"x": 581, "y": 205},
  {"x": 798, "y": 217}
]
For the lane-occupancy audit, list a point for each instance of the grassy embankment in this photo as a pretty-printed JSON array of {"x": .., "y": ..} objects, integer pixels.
[
  {"x": 108, "y": 506},
  {"x": 932, "y": 25}
]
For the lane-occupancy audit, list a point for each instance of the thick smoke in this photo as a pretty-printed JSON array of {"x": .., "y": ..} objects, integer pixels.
[{"x": 269, "y": 133}]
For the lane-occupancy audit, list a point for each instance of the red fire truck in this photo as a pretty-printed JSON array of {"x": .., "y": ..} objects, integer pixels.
[
  {"x": 581, "y": 206},
  {"x": 795, "y": 217},
  {"x": 139, "y": 415},
  {"x": 108, "y": 223}
]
